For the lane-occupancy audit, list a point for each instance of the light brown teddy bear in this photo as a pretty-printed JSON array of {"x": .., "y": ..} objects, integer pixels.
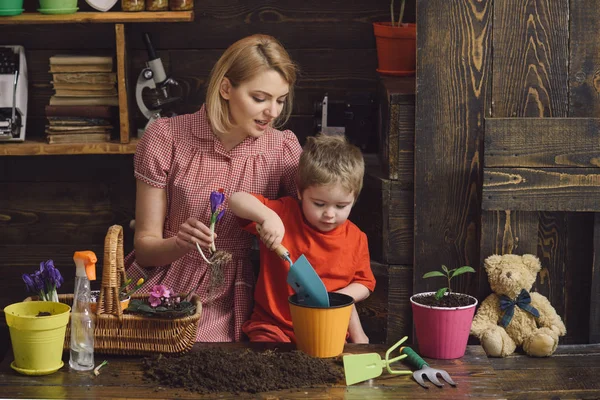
[{"x": 511, "y": 316}]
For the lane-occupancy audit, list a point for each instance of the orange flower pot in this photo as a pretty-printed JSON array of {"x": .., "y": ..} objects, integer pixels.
[
  {"x": 321, "y": 331},
  {"x": 396, "y": 48}
]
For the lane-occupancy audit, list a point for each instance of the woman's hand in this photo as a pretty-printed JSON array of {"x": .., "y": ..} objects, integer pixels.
[
  {"x": 193, "y": 231},
  {"x": 272, "y": 231}
]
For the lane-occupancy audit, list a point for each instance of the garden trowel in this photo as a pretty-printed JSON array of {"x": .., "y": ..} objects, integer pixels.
[
  {"x": 303, "y": 278},
  {"x": 362, "y": 367}
]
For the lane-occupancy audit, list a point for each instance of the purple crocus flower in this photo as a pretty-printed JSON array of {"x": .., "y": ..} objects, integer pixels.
[
  {"x": 216, "y": 199},
  {"x": 38, "y": 282},
  {"x": 44, "y": 281},
  {"x": 29, "y": 283}
]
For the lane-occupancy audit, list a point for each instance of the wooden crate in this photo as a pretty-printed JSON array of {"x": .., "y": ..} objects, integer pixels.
[
  {"x": 397, "y": 127},
  {"x": 386, "y": 314},
  {"x": 384, "y": 211}
]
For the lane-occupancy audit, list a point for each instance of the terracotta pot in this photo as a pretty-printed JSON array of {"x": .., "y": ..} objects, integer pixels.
[
  {"x": 442, "y": 332},
  {"x": 396, "y": 48}
]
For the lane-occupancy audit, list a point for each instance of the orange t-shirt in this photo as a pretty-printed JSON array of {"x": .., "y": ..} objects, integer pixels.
[{"x": 340, "y": 257}]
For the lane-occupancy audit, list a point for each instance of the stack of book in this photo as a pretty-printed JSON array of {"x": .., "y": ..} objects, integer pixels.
[{"x": 81, "y": 110}]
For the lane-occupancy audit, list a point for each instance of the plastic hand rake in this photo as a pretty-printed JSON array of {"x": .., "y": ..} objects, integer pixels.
[
  {"x": 423, "y": 369},
  {"x": 361, "y": 367}
]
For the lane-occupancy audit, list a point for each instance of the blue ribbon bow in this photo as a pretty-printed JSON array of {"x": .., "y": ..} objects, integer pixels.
[{"x": 508, "y": 306}]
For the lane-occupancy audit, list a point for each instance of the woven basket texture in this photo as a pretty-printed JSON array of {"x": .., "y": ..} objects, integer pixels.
[{"x": 131, "y": 334}]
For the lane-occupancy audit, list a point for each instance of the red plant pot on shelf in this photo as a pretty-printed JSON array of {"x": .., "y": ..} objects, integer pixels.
[{"x": 396, "y": 48}]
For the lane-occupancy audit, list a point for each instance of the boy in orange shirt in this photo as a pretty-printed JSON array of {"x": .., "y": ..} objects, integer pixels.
[{"x": 330, "y": 177}]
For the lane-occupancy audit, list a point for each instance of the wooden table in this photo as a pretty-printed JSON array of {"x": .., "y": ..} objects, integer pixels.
[{"x": 572, "y": 373}]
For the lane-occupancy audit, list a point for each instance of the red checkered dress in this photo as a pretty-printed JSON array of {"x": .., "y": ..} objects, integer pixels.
[{"x": 182, "y": 155}]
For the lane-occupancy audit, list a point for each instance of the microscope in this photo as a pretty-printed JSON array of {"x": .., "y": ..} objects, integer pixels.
[
  {"x": 155, "y": 79},
  {"x": 13, "y": 93}
]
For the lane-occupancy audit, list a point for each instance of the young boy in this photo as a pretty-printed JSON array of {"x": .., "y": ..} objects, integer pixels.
[{"x": 330, "y": 177}]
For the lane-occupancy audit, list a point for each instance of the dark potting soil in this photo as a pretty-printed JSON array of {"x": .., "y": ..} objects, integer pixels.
[
  {"x": 43, "y": 314},
  {"x": 243, "y": 370},
  {"x": 450, "y": 300}
]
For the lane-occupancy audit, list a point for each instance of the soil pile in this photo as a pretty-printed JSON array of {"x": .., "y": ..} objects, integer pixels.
[
  {"x": 218, "y": 370},
  {"x": 451, "y": 300}
]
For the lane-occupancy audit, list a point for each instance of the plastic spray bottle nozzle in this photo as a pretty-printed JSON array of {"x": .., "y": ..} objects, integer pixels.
[{"x": 85, "y": 262}]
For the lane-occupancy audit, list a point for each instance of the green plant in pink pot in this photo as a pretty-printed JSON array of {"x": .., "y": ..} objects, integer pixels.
[{"x": 443, "y": 318}]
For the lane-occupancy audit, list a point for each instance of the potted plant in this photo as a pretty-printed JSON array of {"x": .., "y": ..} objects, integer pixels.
[
  {"x": 443, "y": 318},
  {"x": 396, "y": 44},
  {"x": 163, "y": 303},
  {"x": 124, "y": 294},
  {"x": 37, "y": 328}
]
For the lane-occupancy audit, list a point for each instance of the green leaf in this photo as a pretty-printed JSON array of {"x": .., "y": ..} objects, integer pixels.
[
  {"x": 461, "y": 271},
  {"x": 432, "y": 274},
  {"x": 161, "y": 308},
  {"x": 146, "y": 308},
  {"x": 445, "y": 269},
  {"x": 440, "y": 293}
]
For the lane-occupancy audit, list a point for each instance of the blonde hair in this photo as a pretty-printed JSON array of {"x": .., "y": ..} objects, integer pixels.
[
  {"x": 327, "y": 160},
  {"x": 241, "y": 62}
]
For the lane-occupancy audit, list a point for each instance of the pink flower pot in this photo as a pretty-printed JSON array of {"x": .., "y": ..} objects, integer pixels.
[{"x": 442, "y": 333}]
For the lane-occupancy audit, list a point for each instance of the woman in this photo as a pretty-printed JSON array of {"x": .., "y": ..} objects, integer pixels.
[{"x": 230, "y": 143}]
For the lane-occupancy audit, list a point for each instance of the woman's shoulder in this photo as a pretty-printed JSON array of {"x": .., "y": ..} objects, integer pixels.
[
  {"x": 276, "y": 140},
  {"x": 195, "y": 124}
]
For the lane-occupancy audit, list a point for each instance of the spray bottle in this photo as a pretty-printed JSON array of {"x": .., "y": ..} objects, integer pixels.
[{"x": 82, "y": 323}]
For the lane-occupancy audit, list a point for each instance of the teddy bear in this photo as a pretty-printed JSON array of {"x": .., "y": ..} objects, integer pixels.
[{"x": 511, "y": 316}]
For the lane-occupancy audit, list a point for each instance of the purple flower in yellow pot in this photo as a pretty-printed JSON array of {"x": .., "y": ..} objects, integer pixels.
[{"x": 44, "y": 281}]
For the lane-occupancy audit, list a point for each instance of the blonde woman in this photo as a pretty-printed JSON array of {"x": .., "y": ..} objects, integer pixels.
[{"x": 231, "y": 143}]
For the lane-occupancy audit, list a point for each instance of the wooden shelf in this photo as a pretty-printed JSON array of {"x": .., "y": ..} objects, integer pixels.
[
  {"x": 125, "y": 144},
  {"x": 119, "y": 17},
  {"x": 38, "y": 147}
]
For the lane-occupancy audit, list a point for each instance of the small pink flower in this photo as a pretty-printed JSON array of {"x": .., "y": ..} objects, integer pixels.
[
  {"x": 153, "y": 300},
  {"x": 160, "y": 291}
]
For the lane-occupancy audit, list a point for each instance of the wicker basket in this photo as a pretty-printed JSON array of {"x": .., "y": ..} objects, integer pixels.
[{"x": 131, "y": 334}]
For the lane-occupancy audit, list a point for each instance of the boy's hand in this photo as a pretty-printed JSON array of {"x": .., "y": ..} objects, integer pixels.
[{"x": 272, "y": 231}]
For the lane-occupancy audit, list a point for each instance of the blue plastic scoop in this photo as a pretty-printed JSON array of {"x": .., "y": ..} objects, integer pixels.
[{"x": 303, "y": 278}]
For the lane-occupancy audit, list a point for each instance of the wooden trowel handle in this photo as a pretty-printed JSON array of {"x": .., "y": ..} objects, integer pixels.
[{"x": 281, "y": 251}]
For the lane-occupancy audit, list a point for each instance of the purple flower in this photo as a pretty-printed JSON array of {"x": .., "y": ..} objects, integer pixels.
[
  {"x": 160, "y": 291},
  {"x": 51, "y": 275},
  {"x": 44, "y": 281},
  {"x": 220, "y": 215},
  {"x": 29, "y": 284},
  {"x": 216, "y": 199},
  {"x": 38, "y": 282},
  {"x": 154, "y": 300}
]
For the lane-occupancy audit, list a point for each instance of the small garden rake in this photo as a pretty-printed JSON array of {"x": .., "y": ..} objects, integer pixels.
[
  {"x": 362, "y": 367},
  {"x": 424, "y": 369}
]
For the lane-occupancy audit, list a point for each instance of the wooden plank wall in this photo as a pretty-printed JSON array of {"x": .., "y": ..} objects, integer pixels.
[
  {"x": 51, "y": 206},
  {"x": 509, "y": 59},
  {"x": 584, "y": 101},
  {"x": 453, "y": 89},
  {"x": 529, "y": 70}
]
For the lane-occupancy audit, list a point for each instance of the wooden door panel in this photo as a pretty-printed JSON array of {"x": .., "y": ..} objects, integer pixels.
[{"x": 533, "y": 149}]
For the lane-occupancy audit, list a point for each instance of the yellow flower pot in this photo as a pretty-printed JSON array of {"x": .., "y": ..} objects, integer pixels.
[
  {"x": 37, "y": 341},
  {"x": 321, "y": 331}
]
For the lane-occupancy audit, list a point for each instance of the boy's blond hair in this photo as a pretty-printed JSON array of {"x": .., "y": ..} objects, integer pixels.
[
  {"x": 327, "y": 160},
  {"x": 241, "y": 62}
]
